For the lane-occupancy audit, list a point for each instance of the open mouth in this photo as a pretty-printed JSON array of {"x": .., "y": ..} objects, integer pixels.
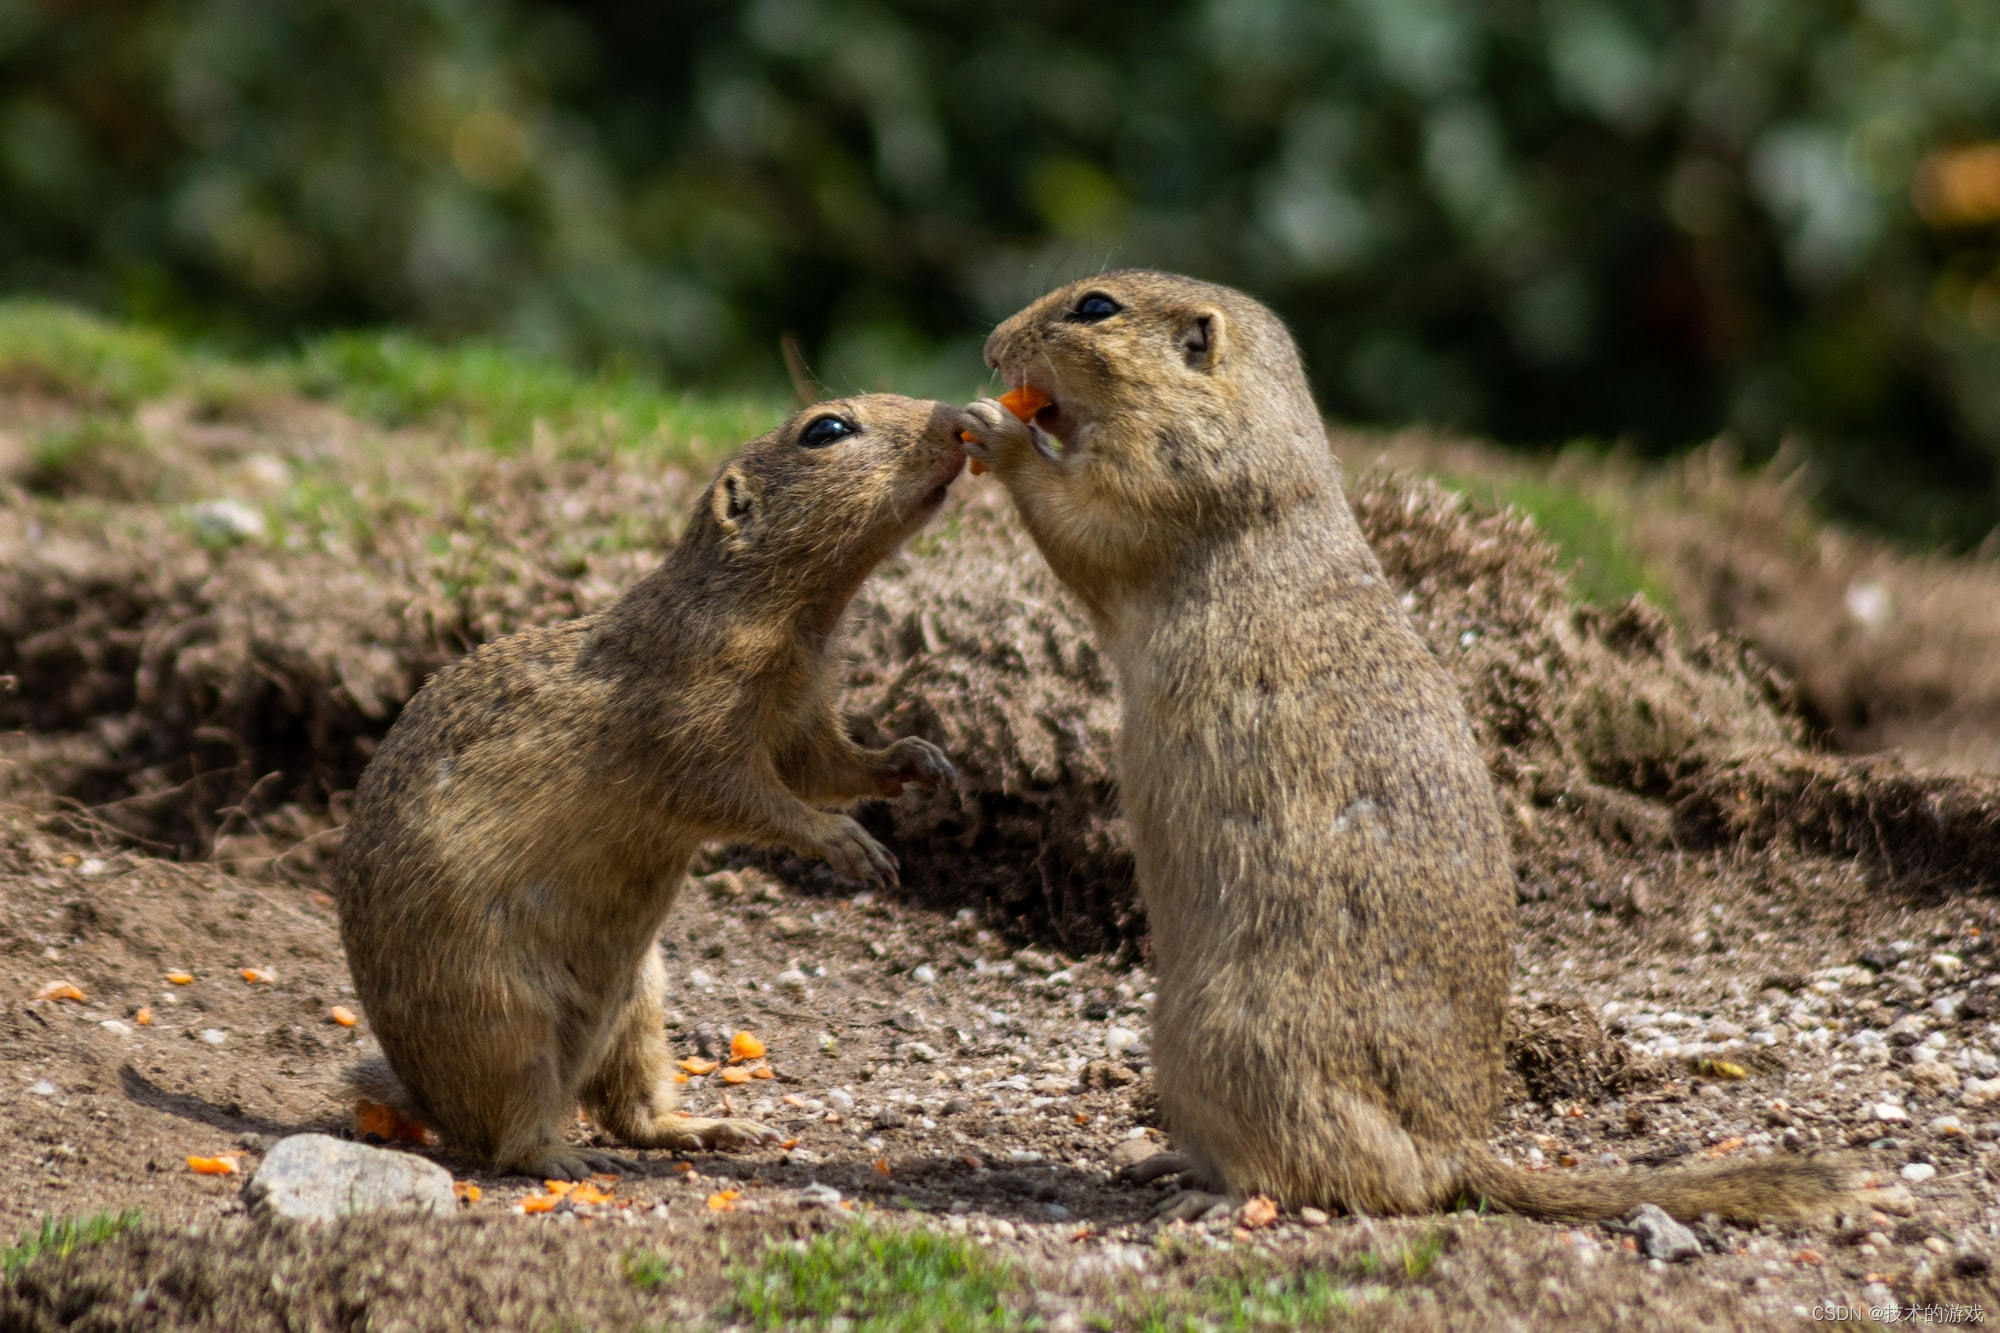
[{"x": 1045, "y": 421}]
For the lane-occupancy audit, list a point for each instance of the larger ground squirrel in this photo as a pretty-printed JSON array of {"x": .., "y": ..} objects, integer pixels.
[
  {"x": 519, "y": 838},
  {"x": 1319, "y": 848}
]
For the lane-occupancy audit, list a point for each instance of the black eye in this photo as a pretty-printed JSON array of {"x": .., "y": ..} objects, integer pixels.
[
  {"x": 1093, "y": 307},
  {"x": 822, "y": 431}
]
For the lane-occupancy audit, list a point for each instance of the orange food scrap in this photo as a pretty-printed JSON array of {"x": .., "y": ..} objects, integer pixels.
[
  {"x": 694, "y": 1064},
  {"x": 222, "y": 1165},
  {"x": 789, "y": 1144},
  {"x": 1813, "y": 1257},
  {"x": 144, "y": 1018},
  {"x": 1726, "y": 1147},
  {"x": 1257, "y": 1211},
  {"x": 180, "y": 978},
  {"x": 342, "y": 1015},
  {"x": 680, "y": 1078},
  {"x": 1023, "y": 402},
  {"x": 374, "y": 1120},
  {"x": 882, "y": 1165},
  {"x": 256, "y": 976},
  {"x": 792, "y": 1099},
  {"x": 745, "y": 1046},
  {"x": 585, "y": 1192},
  {"x": 723, "y": 1201},
  {"x": 60, "y": 990},
  {"x": 735, "y": 1075},
  {"x": 465, "y": 1190},
  {"x": 763, "y": 1071},
  {"x": 539, "y": 1203}
]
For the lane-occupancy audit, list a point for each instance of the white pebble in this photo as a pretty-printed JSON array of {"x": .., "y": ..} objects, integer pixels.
[
  {"x": 116, "y": 1027},
  {"x": 214, "y": 1036},
  {"x": 1117, "y": 1041},
  {"x": 1917, "y": 1172},
  {"x": 840, "y": 1099},
  {"x": 924, "y": 974},
  {"x": 41, "y": 1087},
  {"x": 1889, "y": 1112},
  {"x": 227, "y": 521}
]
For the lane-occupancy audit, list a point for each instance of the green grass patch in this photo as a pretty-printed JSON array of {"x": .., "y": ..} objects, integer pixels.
[
  {"x": 878, "y": 1280},
  {"x": 649, "y": 1270},
  {"x": 60, "y": 350},
  {"x": 1603, "y": 567},
  {"x": 65, "y": 1235},
  {"x": 500, "y": 398}
]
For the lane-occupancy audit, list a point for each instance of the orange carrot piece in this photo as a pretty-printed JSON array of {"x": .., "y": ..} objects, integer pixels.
[
  {"x": 734, "y": 1075},
  {"x": 723, "y": 1201},
  {"x": 342, "y": 1015},
  {"x": 745, "y": 1046},
  {"x": 180, "y": 978},
  {"x": 697, "y": 1066},
  {"x": 212, "y": 1166},
  {"x": 60, "y": 990}
]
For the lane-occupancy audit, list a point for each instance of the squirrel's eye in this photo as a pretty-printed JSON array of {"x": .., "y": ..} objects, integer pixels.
[
  {"x": 1093, "y": 307},
  {"x": 822, "y": 431}
]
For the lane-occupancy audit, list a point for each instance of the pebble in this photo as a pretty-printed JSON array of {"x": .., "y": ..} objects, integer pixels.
[
  {"x": 1130, "y": 1152},
  {"x": 924, "y": 974},
  {"x": 1313, "y": 1217},
  {"x": 1937, "y": 1245},
  {"x": 227, "y": 521},
  {"x": 817, "y": 1195},
  {"x": 1660, "y": 1237},
  {"x": 1917, "y": 1172},
  {"x": 117, "y": 1027},
  {"x": 840, "y": 1099},
  {"x": 1889, "y": 1112},
  {"x": 1979, "y": 1091},
  {"x": 318, "y": 1178},
  {"x": 1117, "y": 1041},
  {"x": 41, "y": 1087},
  {"x": 214, "y": 1036}
]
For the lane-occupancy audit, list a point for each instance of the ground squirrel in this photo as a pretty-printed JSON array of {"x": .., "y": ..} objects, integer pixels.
[
  {"x": 1327, "y": 882},
  {"x": 519, "y": 838}
]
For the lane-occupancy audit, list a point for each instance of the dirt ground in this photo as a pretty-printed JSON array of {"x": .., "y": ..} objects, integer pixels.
[{"x": 1739, "y": 933}]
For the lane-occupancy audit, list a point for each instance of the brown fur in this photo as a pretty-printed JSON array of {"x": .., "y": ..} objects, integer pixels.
[
  {"x": 517, "y": 842},
  {"x": 1326, "y": 878}
]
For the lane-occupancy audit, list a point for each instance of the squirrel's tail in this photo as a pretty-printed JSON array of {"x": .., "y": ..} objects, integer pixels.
[{"x": 1769, "y": 1187}]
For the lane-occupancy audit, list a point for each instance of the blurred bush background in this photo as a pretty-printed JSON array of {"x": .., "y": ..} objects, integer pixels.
[{"x": 1638, "y": 220}]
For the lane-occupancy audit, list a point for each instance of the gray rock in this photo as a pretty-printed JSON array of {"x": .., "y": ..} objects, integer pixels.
[
  {"x": 1660, "y": 1237},
  {"x": 317, "y": 1178}
]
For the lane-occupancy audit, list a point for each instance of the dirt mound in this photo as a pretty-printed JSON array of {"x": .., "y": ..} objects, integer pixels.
[
  {"x": 1614, "y": 735},
  {"x": 1561, "y": 1052},
  {"x": 212, "y": 676},
  {"x": 1894, "y": 651}
]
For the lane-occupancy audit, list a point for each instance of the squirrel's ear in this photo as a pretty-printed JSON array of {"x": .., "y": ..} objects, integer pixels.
[
  {"x": 735, "y": 502},
  {"x": 1202, "y": 339}
]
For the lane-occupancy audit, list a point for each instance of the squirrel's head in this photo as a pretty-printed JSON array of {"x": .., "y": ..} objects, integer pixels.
[
  {"x": 1182, "y": 408},
  {"x": 835, "y": 488}
]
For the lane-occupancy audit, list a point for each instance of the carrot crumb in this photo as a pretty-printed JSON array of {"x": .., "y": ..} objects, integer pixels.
[
  {"x": 60, "y": 990},
  {"x": 745, "y": 1046},
  {"x": 735, "y": 1075},
  {"x": 180, "y": 978},
  {"x": 465, "y": 1190},
  {"x": 144, "y": 1018},
  {"x": 696, "y": 1065},
  {"x": 882, "y": 1165},
  {"x": 342, "y": 1015},
  {"x": 723, "y": 1201},
  {"x": 221, "y": 1165}
]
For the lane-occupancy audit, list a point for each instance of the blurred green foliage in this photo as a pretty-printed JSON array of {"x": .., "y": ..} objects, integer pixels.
[{"x": 1639, "y": 219}]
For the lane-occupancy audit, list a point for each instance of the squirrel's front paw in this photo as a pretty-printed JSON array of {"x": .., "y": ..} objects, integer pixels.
[
  {"x": 993, "y": 435},
  {"x": 846, "y": 847},
  {"x": 913, "y": 759}
]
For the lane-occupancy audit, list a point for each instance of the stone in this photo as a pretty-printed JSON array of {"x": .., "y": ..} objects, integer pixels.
[
  {"x": 1660, "y": 1237},
  {"x": 318, "y": 1178}
]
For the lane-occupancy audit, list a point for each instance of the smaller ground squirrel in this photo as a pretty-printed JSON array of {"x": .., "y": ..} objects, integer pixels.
[
  {"x": 1327, "y": 882},
  {"x": 518, "y": 840}
]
